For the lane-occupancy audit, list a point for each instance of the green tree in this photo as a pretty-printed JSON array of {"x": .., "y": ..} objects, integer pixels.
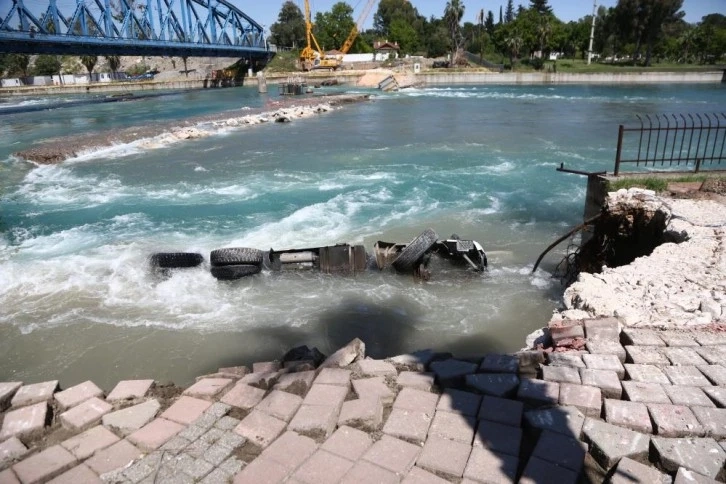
[
  {"x": 89, "y": 62},
  {"x": 642, "y": 22},
  {"x": 437, "y": 38},
  {"x": 388, "y": 10},
  {"x": 509, "y": 13},
  {"x": 489, "y": 23},
  {"x": 403, "y": 33},
  {"x": 289, "y": 30},
  {"x": 114, "y": 62},
  {"x": 332, "y": 28},
  {"x": 17, "y": 64},
  {"x": 47, "y": 65},
  {"x": 540, "y": 6},
  {"x": 453, "y": 13}
]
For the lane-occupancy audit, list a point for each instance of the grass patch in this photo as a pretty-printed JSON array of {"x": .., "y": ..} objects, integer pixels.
[
  {"x": 655, "y": 183},
  {"x": 283, "y": 62}
]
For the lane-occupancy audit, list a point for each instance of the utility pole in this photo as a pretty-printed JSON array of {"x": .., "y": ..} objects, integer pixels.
[{"x": 592, "y": 32}]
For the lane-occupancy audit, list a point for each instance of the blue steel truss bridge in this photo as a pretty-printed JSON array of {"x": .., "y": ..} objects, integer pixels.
[{"x": 192, "y": 28}]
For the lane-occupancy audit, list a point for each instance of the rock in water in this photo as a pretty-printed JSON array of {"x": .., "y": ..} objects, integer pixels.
[
  {"x": 346, "y": 355},
  {"x": 303, "y": 353}
]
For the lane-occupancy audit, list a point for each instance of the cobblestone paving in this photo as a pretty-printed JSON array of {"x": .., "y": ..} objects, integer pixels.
[{"x": 640, "y": 405}]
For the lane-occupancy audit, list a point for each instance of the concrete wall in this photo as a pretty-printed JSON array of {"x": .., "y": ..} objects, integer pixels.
[{"x": 446, "y": 78}]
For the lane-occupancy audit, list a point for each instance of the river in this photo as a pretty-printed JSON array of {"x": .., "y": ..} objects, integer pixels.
[{"x": 77, "y": 300}]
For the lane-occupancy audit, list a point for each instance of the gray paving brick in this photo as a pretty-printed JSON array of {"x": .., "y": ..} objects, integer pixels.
[
  {"x": 412, "y": 399},
  {"x": 708, "y": 338},
  {"x": 644, "y": 392},
  {"x": 642, "y": 337},
  {"x": 226, "y": 423},
  {"x": 316, "y": 421},
  {"x": 716, "y": 374},
  {"x": 374, "y": 388},
  {"x": 494, "y": 384},
  {"x": 688, "y": 396},
  {"x": 192, "y": 433},
  {"x": 493, "y": 363},
  {"x": 586, "y": 399},
  {"x": 453, "y": 426},
  {"x": 561, "y": 374},
  {"x": 348, "y": 442},
  {"x": 457, "y": 401},
  {"x": 231, "y": 439},
  {"x": 232, "y": 465},
  {"x": 646, "y": 374},
  {"x": 444, "y": 456},
  {"x": 713, "y": 421},
  {"x": 686, "y": 375},
  {"x": 565, "y": 420},
  {"x": 605, "y": 347},
  {"x": 323, "y": 468},
  {"x": 608, "y": 443},
  {"x": 607, "y": 381},
  {"x": 646, "y": 355},
  {"x": 334, "y": 376},
  {"x": 605, "y": 362},
  {"x": 364, "y": 471},
  {"x": 561, "y": 450},
  {"x": 371, "y": 367},
  {"x": 674, "y": 421},
  {"x": 629, "y": 471},
  {"x": 702, "y": 455},
  {"x": 327, "y": 395},
  {"x": 683, "y": 356},
  {"x": 501, "y": 410},
  {"x": 452, "y": 372},
  {"x": 290, "y": 450},
  {"x": 416, "y": 380},
  {"x": 717, "y": 394},
  {"x": 538, "y": 392},
  {"x": 536, "y": 468},
  {"x": 495, "y": 468},
  {"x": 714, "y": 355},
  {"x": 217, "y": 476},
  {"x": 678, "y": 338},
  {"x": 498, "y": 437},
  {"x": 175, "y": 445},
  {"x": 410, "y": 425},
  {"x": 607, "y": 329},
  {"x": 631, "y": 415},
  {"x": 565, "y": 359},
  {"x": 393, "y": 454}
]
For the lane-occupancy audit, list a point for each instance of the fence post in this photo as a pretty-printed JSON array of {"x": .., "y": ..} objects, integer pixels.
[
  {"x": 620, "y": 147},
  {"x": 698, "y": 165}
]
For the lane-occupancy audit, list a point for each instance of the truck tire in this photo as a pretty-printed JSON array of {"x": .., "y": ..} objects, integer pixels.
[
  {"x": 233, "y": 272},
  {"x": 235, "y": 255},
  {"x": 415, "y": 250},
  {"x": 175, "y": 260}
]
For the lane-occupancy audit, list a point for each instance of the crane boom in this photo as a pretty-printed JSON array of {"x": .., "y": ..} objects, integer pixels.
[{"x": 358, "y": 27}]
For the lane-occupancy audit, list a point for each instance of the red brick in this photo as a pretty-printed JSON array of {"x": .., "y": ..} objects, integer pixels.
[
  {"x": 208, "y": 388},
  {"x": 498, "y": 468},
  {"x": 323, "y": 468},
  {"x": 41, "y": 467},
  {"x": 393, "y": 454},
  {"x": 328, "y": 395},
  {"x": 366, "y": 413},
  {"x": 117, "y": 456},
  {"x": 453, "y": 426},
  {"x": 418, "y": 400},
  {"x": 10, "y": 450},
  {"x": 129, "y": 390},
  {"x": 632, "y": 415},
  {"x": 280, "y": 404},
  {"x": 79, "y": 474},
  {"x": 85, "y": 415},
  {"x": 155, "y": 434},
  {"x": 675, "y": 421},
  {"x": 35, "y": 393},
  {"x": 290, "y": 450},
  {"x": 409, "y": 425},
  {"x": 243, "y": 396},
  {"x": 262, "y": 471},
  {"x": 259, "y": 428},
  {"x": 86, "y": 444},
  {"x": 316, "y": 421},
  {"x": 364, "y": 471},
  {"x": 348, "y": 442},
  {"x": 25, "y": 422},
  {"x": 77, "y": 394},
  {"x": 444, "y": 456},
  {"x": 186, "y": 410},
  {"x": 419, "y": 476}
]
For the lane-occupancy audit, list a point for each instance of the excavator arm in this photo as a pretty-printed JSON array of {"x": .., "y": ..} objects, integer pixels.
[{"x": 358, "y": 27}]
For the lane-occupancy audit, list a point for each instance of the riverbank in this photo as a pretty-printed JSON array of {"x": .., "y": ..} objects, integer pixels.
[{"x": 60, "y": 149}]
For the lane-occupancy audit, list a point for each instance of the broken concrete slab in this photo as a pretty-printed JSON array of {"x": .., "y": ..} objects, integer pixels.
[
  {"x": 702, "y": 455},
  {"x": 77, "y": 394},
  {"x": 25, "y": 422},
  {"x": 131, "y": 419},
  {"x": 609, "y": 443},
  {"x": 354, "y": 350},
  {"x": 34, "y": 393},
  {"x": 129, "y": 390}
]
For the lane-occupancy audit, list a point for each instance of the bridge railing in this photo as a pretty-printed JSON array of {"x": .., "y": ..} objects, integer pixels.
[{"x": 675, "y": 141}]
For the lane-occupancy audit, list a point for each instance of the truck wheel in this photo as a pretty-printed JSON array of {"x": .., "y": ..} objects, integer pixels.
[
  {"x": 235, "y": 255},
  {"x": 175, "y": 260},
  {"x": 233, "y": 272},
  {"x": 414, "y": 251}
]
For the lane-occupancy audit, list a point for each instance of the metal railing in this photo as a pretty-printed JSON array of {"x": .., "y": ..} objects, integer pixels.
[{"x": 666, "y": 141}]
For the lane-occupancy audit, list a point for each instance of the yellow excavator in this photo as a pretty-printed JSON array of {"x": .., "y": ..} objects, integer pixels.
[{"x": 314, "y": 58}]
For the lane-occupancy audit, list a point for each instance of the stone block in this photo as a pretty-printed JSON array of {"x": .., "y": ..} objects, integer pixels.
[
  {"x": 646, "y": 374},
  {"x": 605, "y": 362},
  {"x": 35, "y": 393},
  {"x": 262, "y": 471},
  {"x": 420, "y": 476},
  {"x": 530, "y": 362},
  {"x": 713, "y": 421},
  {"x": 629, "y": 471},
  {"x": 243, "y": 396},
  {"x": 564, "y": 420},
  {"x": 7, "y": 391},
  {"x": 393, "y": 454},
  {"x": 678, "y": 338},
  {"x": 685, "y": 476},
  {"x": 493, "y": 467},
  {"x": 85, "y": 415},
  {"x": 263, "y": 380},
  {"x": 129, "y": 390},
  {"x": 674, "y": 421},
  {"x": 155, "y": 434},
  {"x": 603, "y": 329},
  {"x": 415, "y": 380},
  {"x": 714, "y": 355},
  {"x": 646, "y": 355},
  {"x": 498, "y": 437},
  {"x": 237, "y": 371},
  {"x": 493, "y": 363},
  {"x": 131, "y": 419},
  {"x": 536, "y": 468},
  {"x": 44, "y": 465},
  {"x": 117, "y": 456},
  {"x": 703, "y": 456},
  {"x": 260, "y": 429},
  {"x": 642, "y": 337},
  {"x": 280, "y": 404},
  {"x": 606, "y": 347},
  {"x": 86, "y": 444},
  {"x": 290, "y": 450},
  {"x": 644, "y": 392},
  {"x": 418, "y": 400},
  {"x": 609, "y": 443},
  {"x": 501, "y": 410},
  {"x": 355, "y": 349},
  {"x": 494, "y": 384},
  {"x": 444, "y": 456},
  {"x": 316, "y": 421},
  {"x": 334, "y": 376},
  {"x": 688, "y": 396},
  {"x": 80, "y": 473},
  {"x": 453, "y": 426},
  {"x": 296, "y": 383},
  {"x": 631, "y": 415},
  {"x": 538, "y": 392},
  {"x": 363, "y": 413},
  {"x": 11, "y": 450},
  {"x": 186, "y": 410},
  {"x": 686, "y": 375},
  {"x": 571, "y": 359},
  {"x": 457, "y": 401},
  {"x": 607, "y": 381},
  {"x": 566, "y": 331},
  {"x": 208, "y": 388},
  {"x": 586, "y": 399},
  {"x": 716, "y": 374},
  {"x": 718, "y": 395},
  {"x": 327, "y": 395},
  {"x": 25, "y": 422},
  {"x": 707, "y": 338},
  {"x": 561, "y": 450},
  {"x": 561, "y": 374},
  {"x": 370, "y": 367},
  {"x": 348, "y": 442},
  {"x": 323, "y": 468},
  {"x": 451, "y": 372},
  {"x": 364, "y": 471},
  {"x": 373, "y": 388},
  {"x": 8, "y": 477},
  {"x": 683, "y": 356},
  {"x": 77, "y": 394},
  {"x": 266, "y": 367},
  {"x": 410, "y": 425},
  {"x": 418, "y": 360}
]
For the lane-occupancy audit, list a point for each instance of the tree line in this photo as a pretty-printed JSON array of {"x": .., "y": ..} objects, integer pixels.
[{"x": 633, "y": 31}]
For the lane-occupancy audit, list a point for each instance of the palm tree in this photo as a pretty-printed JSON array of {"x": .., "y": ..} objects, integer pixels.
[
  {"x": 114, "y": 62},
  {"x": 453, "y": 13},
  {"x": 89, "y": 61},
  {"x": 514, "y": 44}
]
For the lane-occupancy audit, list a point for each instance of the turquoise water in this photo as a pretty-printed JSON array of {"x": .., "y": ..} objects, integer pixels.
[{"x": 76, "y": 295}]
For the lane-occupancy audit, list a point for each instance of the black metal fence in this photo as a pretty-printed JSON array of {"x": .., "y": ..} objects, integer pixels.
[{"x": 675, "y": 141}]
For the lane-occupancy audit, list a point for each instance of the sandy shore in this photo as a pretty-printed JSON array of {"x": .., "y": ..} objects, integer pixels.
[{"x": 59, "y": 149}]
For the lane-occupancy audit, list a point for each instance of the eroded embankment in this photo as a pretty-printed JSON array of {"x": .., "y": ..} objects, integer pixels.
[
  {"x": 57, "y": 150},
  {"x": 678, "y": 284}
]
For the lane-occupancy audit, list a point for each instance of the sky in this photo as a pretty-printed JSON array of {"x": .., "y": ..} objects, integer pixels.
[{"x": 266, "y": 12}]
